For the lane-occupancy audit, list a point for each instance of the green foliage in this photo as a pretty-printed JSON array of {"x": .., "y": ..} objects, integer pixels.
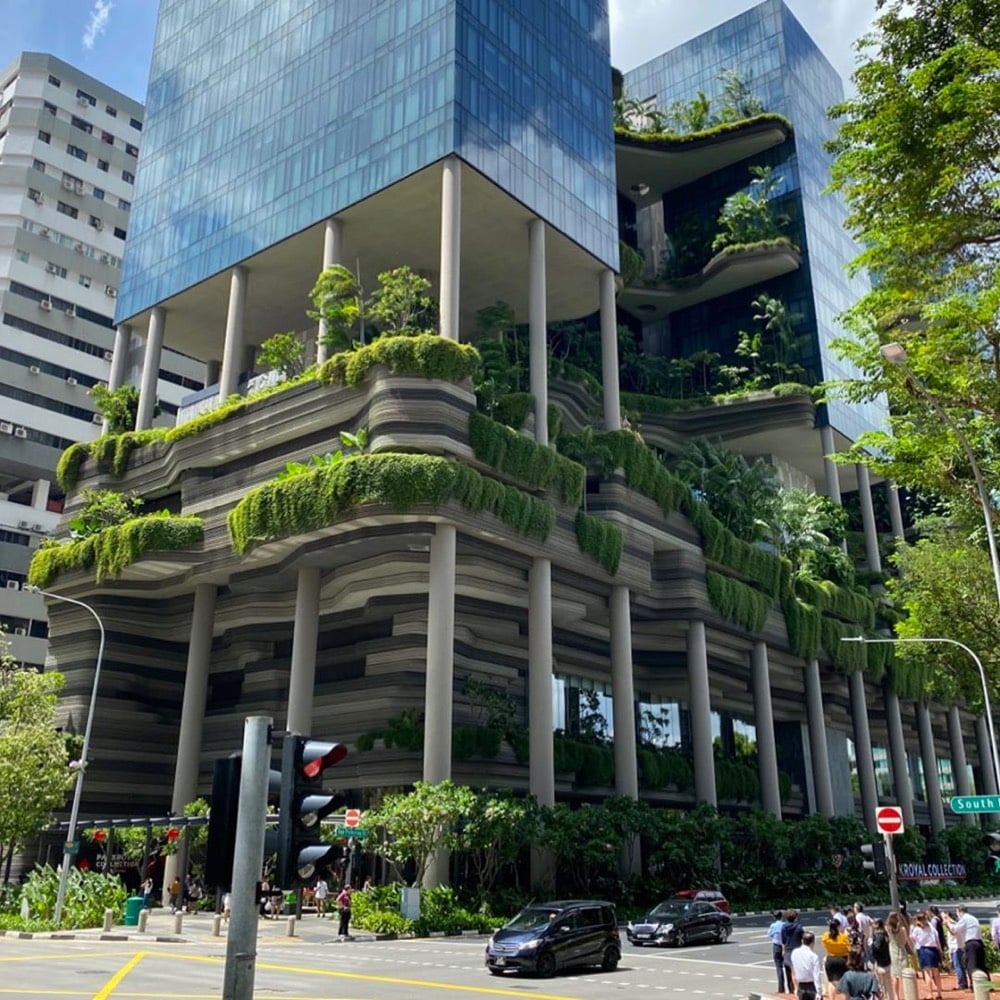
[
  {"x": 351, "y": 444},
  {"x": 513, "y": 409},
  {"x": 474, "y": 741},
  {"x": 119, "y": 407},
  {"x": 113, "y": 548},
  {"x": 807, "y": 530},
  {"x": 88, "y": 895},
  {"x": 103, "y": 509},
  {"x": 337, "y": 302},
  {"x": 400, "y": 306},
  {"x": 802, "y": 621},
  {"x": 314, "y": 500},
  {"x": 283, "y": 352},
  {"x": 661, "y": 767},
  {"x": 403, "y": 732},
  {"x": 523, "y": 458},
  {"x": 427, "y": 355},
  {"x": 847, "y": 657},
  {"x": 632, "y": 263},
  {"x": 741, "y": 604},
  {"x": 497, "y": 826},
  {"x": 737, "y": 781},
  {"x": 772, "y": 346},
  {"x": 747, "y": 216},
  {"x": 600, "y": 540}
]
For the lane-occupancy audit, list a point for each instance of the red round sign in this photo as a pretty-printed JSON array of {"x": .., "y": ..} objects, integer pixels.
[
  {"x": 352, "y": 818},
  {"x": 889, "y": 819}
]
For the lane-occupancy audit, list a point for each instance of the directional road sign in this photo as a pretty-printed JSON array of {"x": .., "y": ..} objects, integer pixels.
[{"x": 975, "y": 804}]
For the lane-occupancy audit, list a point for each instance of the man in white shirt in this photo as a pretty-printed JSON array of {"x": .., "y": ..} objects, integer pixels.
[
  {"x": 864, "y": 925},
  {"x": 966, "y": 928},
  {"x": 320, "y": 892},
  {"x": 806, "y": 968}
]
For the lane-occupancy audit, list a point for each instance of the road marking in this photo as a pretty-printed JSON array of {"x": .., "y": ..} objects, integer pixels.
[{"x": 119, "y": 976}]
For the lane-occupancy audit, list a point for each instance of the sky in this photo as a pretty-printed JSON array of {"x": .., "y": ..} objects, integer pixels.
[{"x": 112, "y": 39}]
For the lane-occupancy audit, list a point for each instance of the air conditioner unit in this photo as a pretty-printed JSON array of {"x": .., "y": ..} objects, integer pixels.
[
  {"x": 109, "y": 355},
  {"x": 51, "y": 268},
  {"x": 68, "y": 183},
  {"x": 37, "y": 197},
  {"x": 6, "y": 427},
  {"x": 79, "y": 248},
  {"x": 78, "y": 187},
  {"x": 35, "y": 370},
  {"x": 111, "y": 291},
  {"x": 105, "y": 259},
  {"x": 20, "y": 432},
  {"x": 97, "y": 419},
  {"x": 25, "y": 525},
  {"x": 46, "y": 305},
  {"x": 98, "y": 225},
  {"x": 70, "y": 380},
  {"x": 82, "y": 101},
  {"x": 71, "y": 312},
  {"x": 13, "y": 585},
  {"x": 40, "y": 528},
  {"x": 20, "y": 631},
  {"x": 43, "y": 231}
]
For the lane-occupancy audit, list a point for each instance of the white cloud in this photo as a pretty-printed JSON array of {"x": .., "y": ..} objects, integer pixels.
[{"x": 97, "y": 23}]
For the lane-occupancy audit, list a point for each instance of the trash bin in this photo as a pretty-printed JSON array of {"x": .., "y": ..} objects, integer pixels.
[{"x": 132, "y": 907}]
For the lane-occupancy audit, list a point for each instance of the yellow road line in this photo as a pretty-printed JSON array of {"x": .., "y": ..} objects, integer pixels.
[
  {"x": 109, "y": 987},
  {"x": 97, "y": 953}
]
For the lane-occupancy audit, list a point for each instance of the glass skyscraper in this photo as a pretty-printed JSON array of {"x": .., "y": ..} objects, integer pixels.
[
  {"x": 790, "y": 75},
  {"x": 266, "y": 117}
]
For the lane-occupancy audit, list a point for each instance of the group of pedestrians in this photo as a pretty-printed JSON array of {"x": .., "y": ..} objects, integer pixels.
[{"x": 865, "y": 956}]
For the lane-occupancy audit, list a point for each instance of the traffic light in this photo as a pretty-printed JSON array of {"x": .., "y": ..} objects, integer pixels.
[
  {"x": 301, "y": 805},
  {"x": 992, "y": 842},
  {"x": 222, "y": 821},
  {"x": 875, "y": 860}
]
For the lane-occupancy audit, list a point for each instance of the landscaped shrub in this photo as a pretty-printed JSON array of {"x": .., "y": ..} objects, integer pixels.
[
  {"x": 427, "y": 355},
  {"x": 513, "y": 409},
  {"x": 88, "y": 895},
  {"x": 475, "y": 741},
  {"x": 740, "y": 603},
  {"x": 600, "y": 539},
  {"x": 663, "y": 766}
]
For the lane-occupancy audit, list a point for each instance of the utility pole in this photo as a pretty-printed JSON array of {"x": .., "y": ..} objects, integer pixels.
[
  {"x": 248, "y": 857},
  {"x": 893, "y": 878}
]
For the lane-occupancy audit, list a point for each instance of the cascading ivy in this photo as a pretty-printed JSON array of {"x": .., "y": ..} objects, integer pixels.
[
  {"x": 740, "y": 603},
  {"x": 601, "y": 540},
  {"x": 427, "y": 355}
]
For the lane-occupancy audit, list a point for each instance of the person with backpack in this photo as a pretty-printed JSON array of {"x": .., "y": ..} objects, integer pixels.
[
  {"x": 857, "y": 983},
  {"x": 881, "y": 958}
]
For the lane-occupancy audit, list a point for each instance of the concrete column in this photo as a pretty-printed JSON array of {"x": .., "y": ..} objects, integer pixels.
[
  {"x": 151, "y": 369},
  {"x": 897, "y": 754},
  {"x": 987, "y": 771},
  {"x": 541, "y": 758},
  {"x": 830, "y": 469},
  {"x": 609, "y": 352},
  {"x": 767, "y": 751},
  {"x": 302, "y": 673},
  {"x": 440, "y": 654},
  {"x": 623, "y": 694},
  {"x": 199, "y": 660},
  {"x": 872, "y": 555},
  {"x": 232, "y": 352},
  {"x": 895, "y": 511},
  {"x": 538, "y": 354},
  {"x": 932, "y": 786},
  {"x": 333, "y": 241},
  {"x": 213, "y": 371},
  {"x": 119, "y": 356},
  {"x": 817, "y": 740},
  {"x": 700, "y": 701},
  {"x": 451, "y": 246},
  {"x": 40, "y": 494},
  {"x": 863, "y": 749},
  {"x": 959, "y": 761}
]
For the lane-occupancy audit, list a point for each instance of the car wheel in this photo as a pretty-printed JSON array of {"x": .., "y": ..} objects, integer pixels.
[
  {"x": 680, "y": 939},
  {"x": 722, "y": 933},
  {"x": 546, "y": 965},
  {"x": 612, "y": 956}
]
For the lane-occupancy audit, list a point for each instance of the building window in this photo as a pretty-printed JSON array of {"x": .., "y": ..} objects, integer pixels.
[
  {"x": 44, "y": 136},
  {"x": 99, "y": 193},
  {"x": 136, "y": 124},
  {"x": 49, "y": 106},
  {"x": 55, "y": 269},
  {"x": 111, "y": 111},
  {"x": 131, "y": 150},
  {"x": 85, "y": 281},
  {"x": 108, "y": 138},
  {"x": 67, "y": 210},
  {"x": 80, "y": 154},
  {"x": 22, "y": 255},
  {"x": 120, "y": 233},
  {"x": 128, "y": 177},
  {"x": 127, "y": 205},
  {"x": 55, "y": 81},
  {"x": 81, "y": 124},
  {"x": 38, "y": 165},
  {"x": 102, "y": 165},
  {"x": 35, "y": 195},
  {"x": 82, "y": 95},
  {"x": 96, "y": 223}
]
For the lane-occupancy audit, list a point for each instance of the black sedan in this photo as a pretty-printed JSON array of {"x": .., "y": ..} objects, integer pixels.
[{"x": 680, "y": 921}]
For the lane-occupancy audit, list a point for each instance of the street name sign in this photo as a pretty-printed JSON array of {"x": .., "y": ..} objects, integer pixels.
[
  {"x": 889, "y": 819},
  {"x": 351, "y": 832},
  {"x": 975, "y": 804}
]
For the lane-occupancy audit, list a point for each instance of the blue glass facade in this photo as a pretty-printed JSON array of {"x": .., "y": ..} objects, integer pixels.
[
  {"x": 266, "y": 116},
  {"x": 791, "y": 76}
]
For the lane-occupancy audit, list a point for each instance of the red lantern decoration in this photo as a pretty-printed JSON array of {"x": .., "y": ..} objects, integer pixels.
[
  {"x": 173, "y": 833},
  {"x": 100, "y": 835}
]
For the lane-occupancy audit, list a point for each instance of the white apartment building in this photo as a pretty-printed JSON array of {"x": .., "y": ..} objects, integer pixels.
[{"x": 69, "y": 146}]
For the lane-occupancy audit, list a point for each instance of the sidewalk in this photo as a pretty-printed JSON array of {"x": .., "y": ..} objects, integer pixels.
[{"x": 948, "y": 987}]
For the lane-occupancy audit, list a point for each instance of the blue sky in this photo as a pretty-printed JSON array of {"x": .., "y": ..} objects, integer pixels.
[{"x": 112, "y": 39}]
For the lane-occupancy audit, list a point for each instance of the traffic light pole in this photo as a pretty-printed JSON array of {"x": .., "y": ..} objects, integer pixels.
[
  {"x": 248, "y": 857},
  {"x": 893, "y": 878}
]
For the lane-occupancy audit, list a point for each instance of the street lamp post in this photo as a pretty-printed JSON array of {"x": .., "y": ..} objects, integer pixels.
[
  {"x": 982, "y": 678},
  {"x": 896, "y": 355},
  {"x": 81, "y": 765}
]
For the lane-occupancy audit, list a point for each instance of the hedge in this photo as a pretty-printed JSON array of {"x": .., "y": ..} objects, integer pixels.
[
  {"x": 601, "y": 540},
  {"x": 427, "y": 355},
  {"x": 113, "y": 548},
  {"x": 315, "y": 499}
]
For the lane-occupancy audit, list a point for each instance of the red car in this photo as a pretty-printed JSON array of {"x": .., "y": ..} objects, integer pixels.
[{"x": 704, "y": 895}]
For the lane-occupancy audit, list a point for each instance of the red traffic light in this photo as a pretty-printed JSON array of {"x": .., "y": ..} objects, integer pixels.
[{"x": 318, "y": 756}]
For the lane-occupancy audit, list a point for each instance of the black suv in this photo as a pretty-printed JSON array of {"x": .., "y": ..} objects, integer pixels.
[{"x": 545, "y": 937}]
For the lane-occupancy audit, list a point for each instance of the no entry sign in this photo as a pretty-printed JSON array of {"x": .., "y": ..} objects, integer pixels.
[
  {"x": 352, "y": 818},
  {"x": 889, "y": 819}
]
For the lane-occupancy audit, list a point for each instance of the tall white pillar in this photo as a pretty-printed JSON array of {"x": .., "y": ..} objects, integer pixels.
[
  {"x": 451, "y": 246},
  {"x": 700, "y": 704},
  {"x": 232, "y": 352},
  {"x": 928, "y": 755},
  {"x": 538, "y": 355},
  {"x": 959, "y": 761},
  {"x": 302, "y": 673},
  {"x": 872, "y": 555},
  {"x": 623, "y": 694},
  {"x": 830, "y": 469},
  {"x": 199, "y": 659},
  {"x": 333, "y": 241},
  {"x": 897, "y": 751},
  {"x": 119, "y": 356},
  {"x": 541, "y": 757},
  {"x": 819, "y": 750},
  {"x": 895, "y": 511},
  {"x": 863, "y": 749},
  {"x": 40, "y": 490},
  {"x": 609, "y": 352},
  {"x": 767, "y": 749},
  {"x": 151, "y": 369},
  {"x": 213, "y": 370}
]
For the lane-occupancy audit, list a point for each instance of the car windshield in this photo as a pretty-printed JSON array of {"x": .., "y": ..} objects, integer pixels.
[
  {"x": 669, "y": 911},
  {"x": 531, "y": 918}
]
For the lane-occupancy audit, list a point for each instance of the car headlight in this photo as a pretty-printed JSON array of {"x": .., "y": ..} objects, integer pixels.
[
  {"x": 530, "y": 945},
  {"x": 666, "y": 928},
  {"x": 489, "y": 944}
]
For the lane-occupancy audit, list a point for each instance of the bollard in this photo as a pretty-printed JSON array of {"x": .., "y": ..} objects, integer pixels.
[
  {"x": 290, "y": 932},
  {"x": 909, "y": 985},
  {"x": 217, "y": 925},
  {"x": 25, "y": 909},
  {"x": 178, "y": 923},
  {"x": 981, "y": 985},
  {"x": 143, "y": 920},
  {"x": 109, "y": 920}
]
